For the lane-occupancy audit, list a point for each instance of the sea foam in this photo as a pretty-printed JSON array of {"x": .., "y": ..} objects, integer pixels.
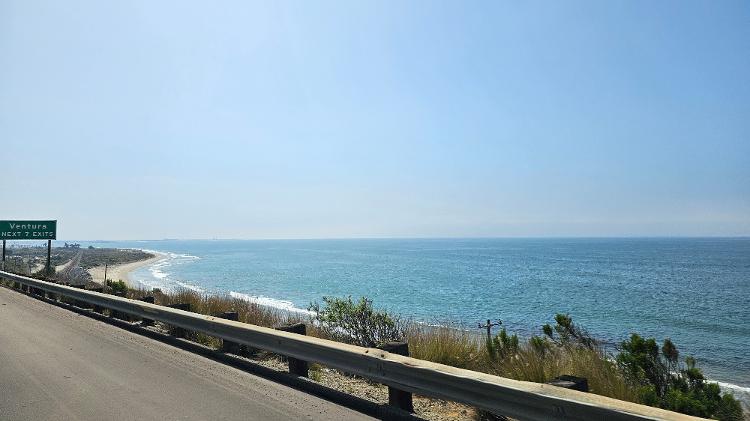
[
  {"x": 740, "y": 393},
  {"x": 160, "y": 275},
  {"x": 270, "y": 302}
]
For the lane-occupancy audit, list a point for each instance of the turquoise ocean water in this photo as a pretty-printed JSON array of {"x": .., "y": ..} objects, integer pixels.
[{"x": 693, "y": 290}]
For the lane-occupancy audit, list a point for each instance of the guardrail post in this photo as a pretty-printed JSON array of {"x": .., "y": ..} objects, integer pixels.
[
  {"x": 97, "y": 308},
  {"x": 52, "y": 296},
  {"x": 570, "y": 382},
  {"x": 296, "y": 367},
  {"x": 118, "y": 314},
  {"x": 144, "y": 321},
  {"x": 396, "y": 397},
  {"x": 81, "y": 304},
  {"x": 176, "y": 330},
  {"x": 229, "y": 346}
]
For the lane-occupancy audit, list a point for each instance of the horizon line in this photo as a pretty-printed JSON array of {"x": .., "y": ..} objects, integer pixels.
[{"x": 540, "y": 237}]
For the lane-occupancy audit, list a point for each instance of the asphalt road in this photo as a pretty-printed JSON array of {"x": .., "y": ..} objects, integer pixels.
[{"x": 58, "y": 365}]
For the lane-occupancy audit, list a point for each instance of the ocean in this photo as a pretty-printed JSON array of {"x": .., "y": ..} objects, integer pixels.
[{"x": 695, "y": 291}]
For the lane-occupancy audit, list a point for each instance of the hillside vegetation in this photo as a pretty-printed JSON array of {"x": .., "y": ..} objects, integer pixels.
[
  {"x": 17, "y": 258},
  {"x": 640, "y": 370}
]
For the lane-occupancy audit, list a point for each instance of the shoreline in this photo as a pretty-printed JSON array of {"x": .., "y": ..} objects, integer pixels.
[{"x": 122, "y": 271}]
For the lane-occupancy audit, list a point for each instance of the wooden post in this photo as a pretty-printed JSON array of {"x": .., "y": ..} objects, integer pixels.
[
  {"x": 176, "y": 330},
  {"x": 396, "y": 397},
  {"x": 229, "y": 346},
  {"x": 570, "y": 382},
  {"x": 297, "y": 367},
  {"x": 147, "y": 322},
  {"x": 489, "y": 327}
]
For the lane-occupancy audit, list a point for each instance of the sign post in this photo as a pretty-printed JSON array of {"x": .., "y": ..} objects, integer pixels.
[
  {"x": 29, "y": 230},
  {"x": 47, "y": 270}
]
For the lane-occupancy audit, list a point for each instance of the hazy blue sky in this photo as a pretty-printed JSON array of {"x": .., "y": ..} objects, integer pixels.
[{"x": 153, "y": 119}]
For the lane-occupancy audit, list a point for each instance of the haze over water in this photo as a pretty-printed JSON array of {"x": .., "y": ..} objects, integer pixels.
[{"x": 693, "y": 290}]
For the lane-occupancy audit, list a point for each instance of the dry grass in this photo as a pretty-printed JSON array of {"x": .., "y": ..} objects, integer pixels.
[
  {"x": 459, "y": 348},
  {"x": 212, "y": 304},
  {"x": 445, "y": 345},
  {"x": 602, "y": 374}
]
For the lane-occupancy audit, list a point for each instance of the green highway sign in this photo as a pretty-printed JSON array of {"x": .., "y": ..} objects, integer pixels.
[{"x": 28, "y": 230}]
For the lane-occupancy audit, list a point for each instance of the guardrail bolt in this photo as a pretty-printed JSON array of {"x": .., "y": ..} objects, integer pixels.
[
  {"x": 570, "y": 382},
  {"x": 229, "y": 346},
  {"x": 397, "y": 397},
  {"x": 147, "y": 322},
  {"x": 176, "y": 330},
  {"x": 296, "y": 367}
]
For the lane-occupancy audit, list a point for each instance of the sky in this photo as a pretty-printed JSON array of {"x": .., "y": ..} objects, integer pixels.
[{"x": 286, "y": 119}]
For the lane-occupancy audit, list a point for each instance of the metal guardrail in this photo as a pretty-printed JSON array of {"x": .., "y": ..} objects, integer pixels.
[{"x": 512, "y": 398}]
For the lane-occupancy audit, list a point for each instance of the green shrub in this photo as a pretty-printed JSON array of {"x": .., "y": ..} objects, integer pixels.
[
  {"x": 664, "y": 383},
  {"x": 565, "y": 332},
  {"x": 117, "y": 286},
  {"x": 539, "y": 344},
  {"x": 502, "y": 345},
  {"x": 357, "y": 322}
]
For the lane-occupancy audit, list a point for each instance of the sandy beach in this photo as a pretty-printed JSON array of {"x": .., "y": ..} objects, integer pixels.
[{"x": 121, "y": 272}]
